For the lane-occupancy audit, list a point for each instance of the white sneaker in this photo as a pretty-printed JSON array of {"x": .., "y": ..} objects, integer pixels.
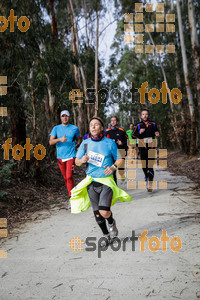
[
  {"x": 113, "y": 229},
  {"x": 105, "y": 241},
  {"x": 150, "y": 186}
]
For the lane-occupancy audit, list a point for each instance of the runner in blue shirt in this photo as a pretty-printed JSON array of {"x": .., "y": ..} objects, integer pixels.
[
  {"x": 101, "y": 155},
  {"x": 65, "y": 137}
]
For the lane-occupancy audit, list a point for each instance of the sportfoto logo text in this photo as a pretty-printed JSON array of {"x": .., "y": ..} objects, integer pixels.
[
  {"x": 23, "y": 22},
  {"x": 153, "y": 244}
]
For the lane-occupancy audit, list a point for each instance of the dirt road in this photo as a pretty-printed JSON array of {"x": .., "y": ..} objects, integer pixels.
[{"x": 40, "y": 264}]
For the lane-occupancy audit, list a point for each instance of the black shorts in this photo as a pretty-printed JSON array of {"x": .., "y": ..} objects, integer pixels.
[{"x": 100, "y": 196}]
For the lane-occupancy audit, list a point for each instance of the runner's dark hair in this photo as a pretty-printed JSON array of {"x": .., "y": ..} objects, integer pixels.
[
  {"x": 144, "y": 109},
  {"x": 115, "y": 117}
]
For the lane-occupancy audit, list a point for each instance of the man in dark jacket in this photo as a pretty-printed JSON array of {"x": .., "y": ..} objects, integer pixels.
[
  {"x": 146, "y": 129},
  {"x": 120, "y": 137}
]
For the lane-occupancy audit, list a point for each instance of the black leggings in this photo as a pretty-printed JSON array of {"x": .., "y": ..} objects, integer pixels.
[{"x": 148, "y": 172}]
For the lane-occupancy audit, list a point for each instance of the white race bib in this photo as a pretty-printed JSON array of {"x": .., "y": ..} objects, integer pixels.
[{"x": 95, "y": 158}]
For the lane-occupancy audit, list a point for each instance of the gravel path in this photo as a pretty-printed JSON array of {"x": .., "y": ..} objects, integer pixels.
[{"x": 40, "y": 264}]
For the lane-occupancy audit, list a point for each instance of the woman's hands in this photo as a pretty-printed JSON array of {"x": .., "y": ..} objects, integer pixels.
[
  {"x": 85, "y": 158},
  {"x": 80, "y": 161},
  {"x": 109, "y": 170}
]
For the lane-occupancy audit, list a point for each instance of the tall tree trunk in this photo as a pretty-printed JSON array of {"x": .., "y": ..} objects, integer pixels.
[
  {"x": 180, "y": 106},
  {"x": 80, "y": 65},
  {"x": 76, "y": 72},
  {"x": 35, "y": 133},
  {"x": 196, "y": 56},
  {"x": 172, "y": 4},
  {"x": 17, "y": 115},
  {"x": 50, "y": 95},
  {"x": 54, "y": 29},
  {"x": 74, "y": 114},
  {"x": 178, "y": 83},
  {"x": 188, "y": 89},
  {"x": 86, "y": 28},
  {"x": 88, "y": 106},
  {"x": 96, "y": 64},
  {"x": 49, "y": 102},
  {"x": 54, "y": 32}
]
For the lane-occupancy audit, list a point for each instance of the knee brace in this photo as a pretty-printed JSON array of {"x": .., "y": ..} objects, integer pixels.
[{"x": 98, "y": 217}]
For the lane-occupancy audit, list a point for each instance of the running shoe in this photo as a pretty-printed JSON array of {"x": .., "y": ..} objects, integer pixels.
[
  {"x": 106, "y": 241},
  {"x": 113, "y": 229},
  {"x": 150, "y": 186}
]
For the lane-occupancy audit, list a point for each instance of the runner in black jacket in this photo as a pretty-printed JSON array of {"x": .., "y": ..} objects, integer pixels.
[
  {"x": 146, "y": 129},
  {"x": 118, "y": 135}
]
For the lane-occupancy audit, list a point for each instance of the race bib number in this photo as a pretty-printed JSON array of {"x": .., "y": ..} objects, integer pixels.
[{"x": 95, "y": 158}]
